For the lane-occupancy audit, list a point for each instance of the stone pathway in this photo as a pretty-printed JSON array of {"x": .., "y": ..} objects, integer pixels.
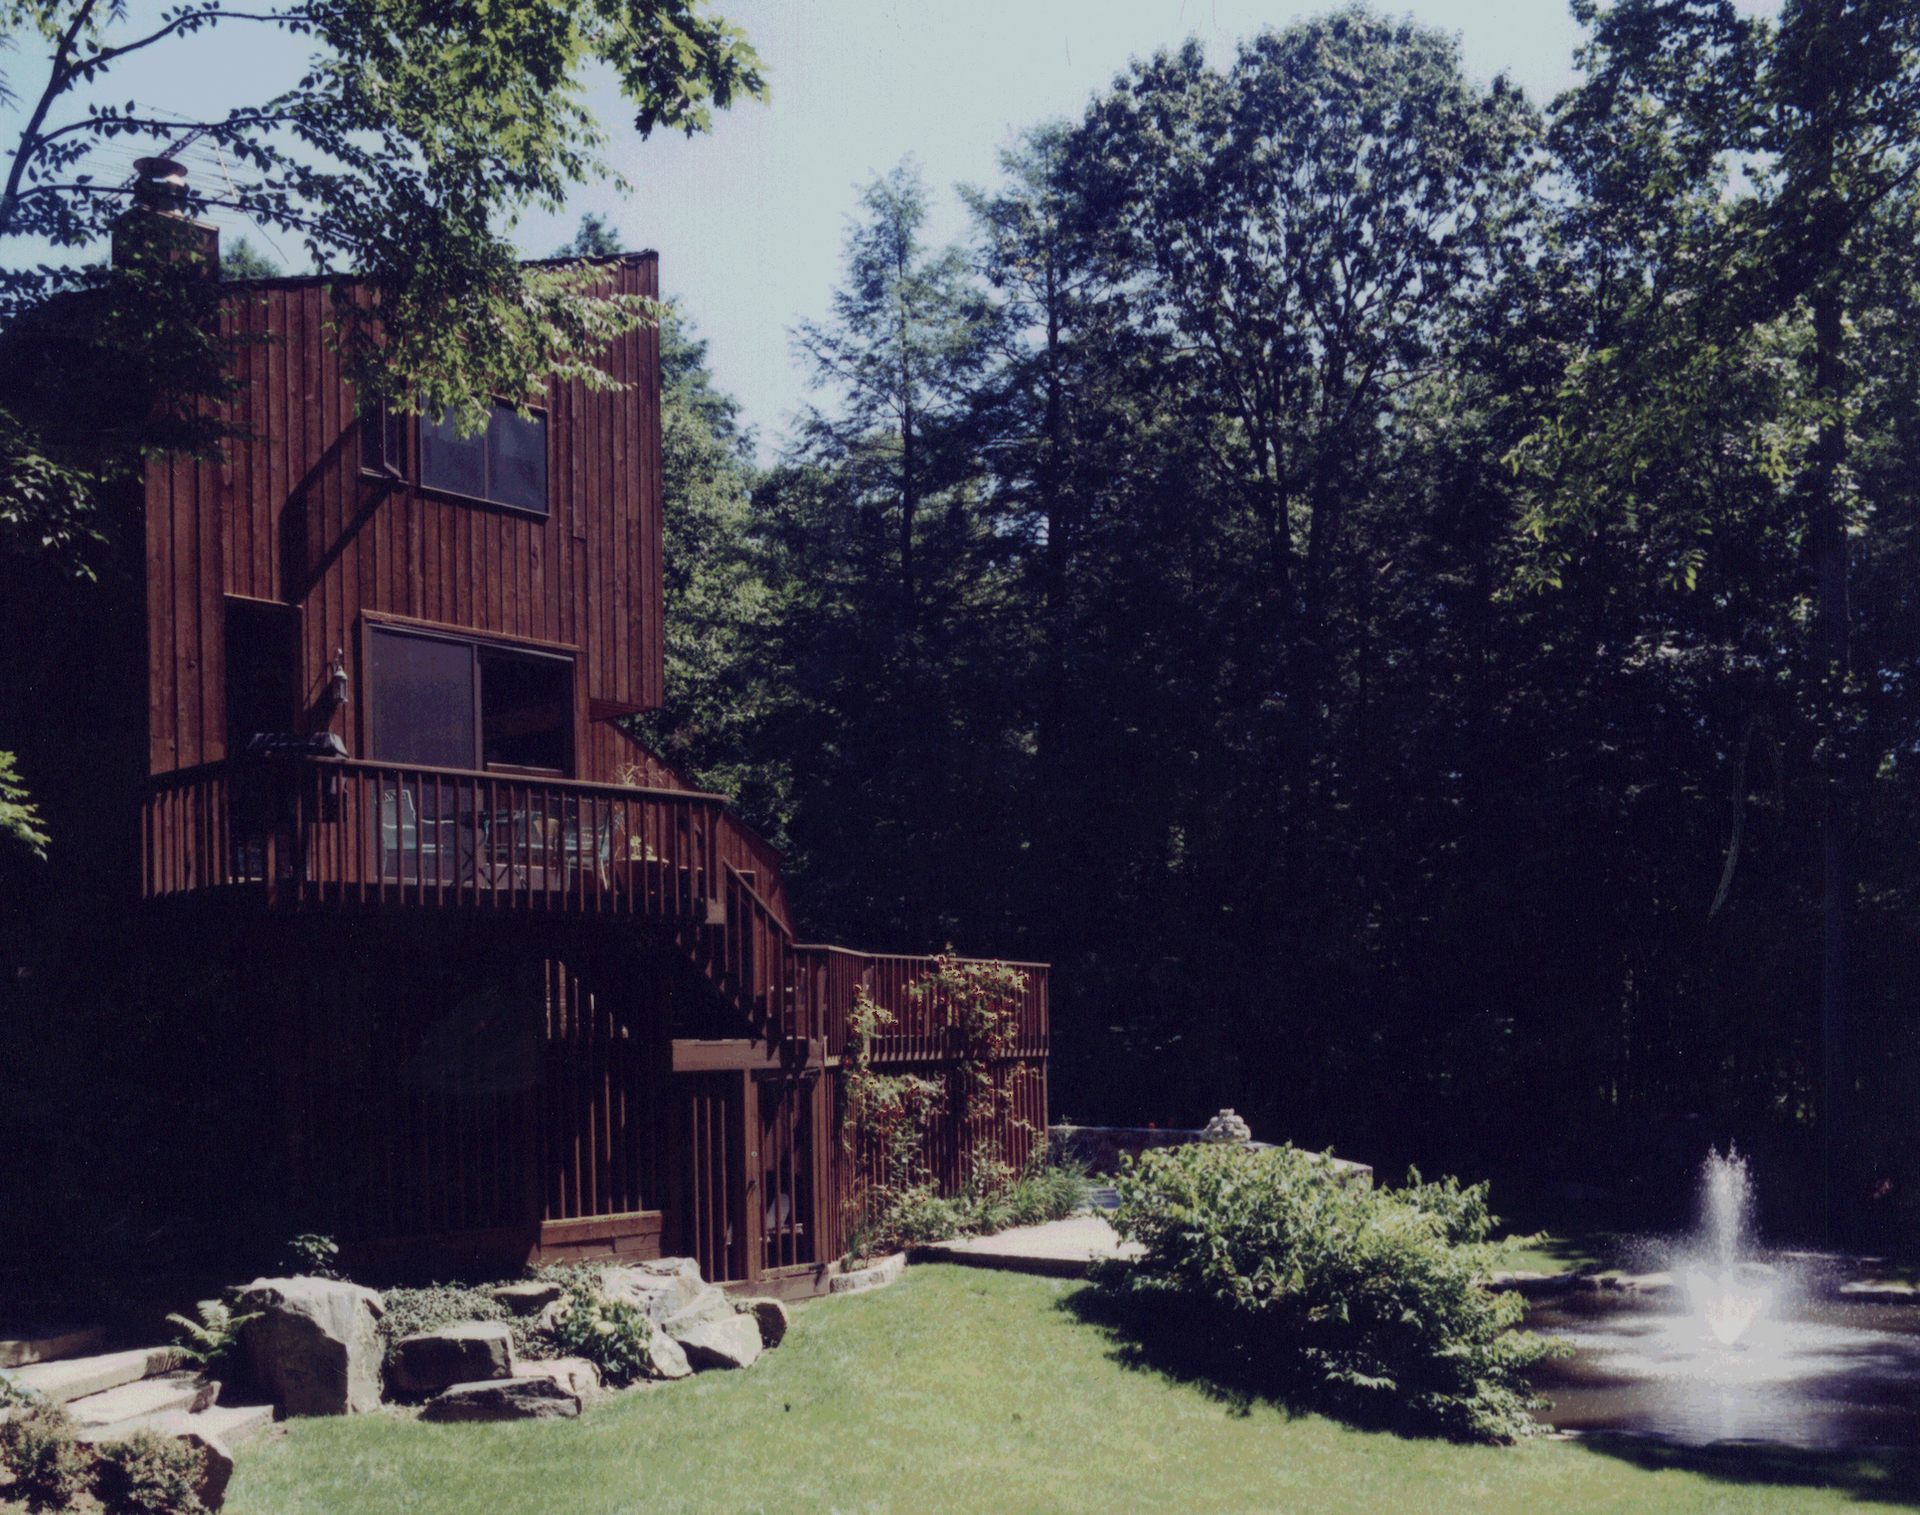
[{"x": 1060, "y": 1248}]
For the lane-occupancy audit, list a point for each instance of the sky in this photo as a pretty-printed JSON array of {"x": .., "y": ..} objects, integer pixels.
[{"x": 750, "y": 219}]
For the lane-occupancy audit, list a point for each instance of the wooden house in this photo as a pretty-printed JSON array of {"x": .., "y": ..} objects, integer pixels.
[{"x": 523, "y": 993}]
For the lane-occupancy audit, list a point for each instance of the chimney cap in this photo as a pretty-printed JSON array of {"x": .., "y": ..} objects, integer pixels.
[{"x": 161, "y": 170}]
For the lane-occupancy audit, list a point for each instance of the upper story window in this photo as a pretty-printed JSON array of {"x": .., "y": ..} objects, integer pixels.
[{"x": 506, "y": 464}]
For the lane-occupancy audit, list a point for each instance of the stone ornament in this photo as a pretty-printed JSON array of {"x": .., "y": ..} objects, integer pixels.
[{"x": 1227, "y": 1127}]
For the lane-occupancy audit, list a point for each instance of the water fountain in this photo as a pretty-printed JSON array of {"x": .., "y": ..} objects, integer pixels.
[{"x": 1720, "y": 1342}]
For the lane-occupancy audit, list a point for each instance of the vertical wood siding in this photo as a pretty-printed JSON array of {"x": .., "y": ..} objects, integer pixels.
[{"x": 286, "y": 515}]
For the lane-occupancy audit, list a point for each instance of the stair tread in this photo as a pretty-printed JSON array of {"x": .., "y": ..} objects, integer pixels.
[
  {"x": 129, "y": 1401},
  {"x": 47, "y": 1343},
  {"x": 75, "y": 1377},
  {"x": 236, "y": 1425}
]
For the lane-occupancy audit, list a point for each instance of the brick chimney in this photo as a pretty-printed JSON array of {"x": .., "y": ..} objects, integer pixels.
[{"x": 157, "y": 222}]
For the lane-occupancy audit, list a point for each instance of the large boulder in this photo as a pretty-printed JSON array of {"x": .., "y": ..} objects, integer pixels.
[
  {"x": 536, "y": 1397},
  {"x": 468, "y": 1352},
  {"x": 708, "y": 1305},
  {"x": 662, "y": 1287},
  {"x": 732, "y": 1341},
  {"x": 314, "y": 1345}
]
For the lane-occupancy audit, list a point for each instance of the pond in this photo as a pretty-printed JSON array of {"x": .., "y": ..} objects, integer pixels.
[{"x": 1817, "y": 1370}]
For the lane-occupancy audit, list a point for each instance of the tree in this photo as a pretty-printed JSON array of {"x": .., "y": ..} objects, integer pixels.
[
  {"x": 1823, "y": 117},
  {"x": 909, "y": 336},
  {"x": 240, "y": 259}
]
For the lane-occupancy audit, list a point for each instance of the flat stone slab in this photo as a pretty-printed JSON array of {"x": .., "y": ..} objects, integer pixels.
[
  {"x": 878, "y": 1276},
  {"x": 533, "y": 1398},
  {"x": 236, "y": 1425},
  {"x": 1058, "y": 1249},
  {"x": 574, "y": 1374},
  {"x": 196, "y": 1431},
  {"x": 149, "y": 1396},
  {"x": 528, "y": 1298},
  {"x": 76, "y": 1377},
  {"x": 468, "y": 1352},
  {"x": 49, "y": 1343}
]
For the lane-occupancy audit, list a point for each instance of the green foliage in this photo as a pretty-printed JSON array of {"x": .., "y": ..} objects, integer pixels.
[
  {"x": 240, "y": 259},
  {"x": 886, "y": 1116},
  {"x": 410, "y": 1311},
  {"x": 1363, "y": 1302},
  {"x": 612, "y": 1334},
  {"x": 150, "y": 1474},
  {"x": 19, "y": 819},
  {"x": 48, "y": 1463},
  {"x": 15, "y": 1395},
  {"x": 315, "y": 1256},
  {"x": 214, "y": 1337}
]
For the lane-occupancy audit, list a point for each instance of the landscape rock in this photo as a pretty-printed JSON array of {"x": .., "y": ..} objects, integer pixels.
[
  {"x": 575, "y": 1374},
  {"x": 773, "y": 1320},
  {"x": 527, "y": 1398},
  {"x": 662, "y": 1287},
  {"x": 314, "y": 1345},
  {"x": 429, "y": 1361},
  {"x": 733, "y": 1342},
  {"x": 707, "y": 1306},
  {"x": 528, "y": 1298},
  {"x": 666, "y": 1358}
]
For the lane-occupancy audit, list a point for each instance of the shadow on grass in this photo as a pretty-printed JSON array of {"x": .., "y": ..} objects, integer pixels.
[
  {"x": 1178, "y": 1353},
  {"x": 1884, "y": 1475}
]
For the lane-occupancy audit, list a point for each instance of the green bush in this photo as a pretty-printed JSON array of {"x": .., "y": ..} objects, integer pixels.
[
  {"x": 16, "y": 1395},
  {"x": 612, "y": 1334},
  {"x": 42, "y": 1451},
  {"x": 150, "y": 1474},
  {"x": 993, "y": 1201},
  {"x": 1360, "y": 1301}
]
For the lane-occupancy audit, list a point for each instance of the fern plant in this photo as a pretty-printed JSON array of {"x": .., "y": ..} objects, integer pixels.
[{"x": 211, "y": 1339}]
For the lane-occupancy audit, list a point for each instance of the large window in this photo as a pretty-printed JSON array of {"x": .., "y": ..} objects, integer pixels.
[
  {"x": 446, "y": 702},
  {"x": 505, "y": 464}
]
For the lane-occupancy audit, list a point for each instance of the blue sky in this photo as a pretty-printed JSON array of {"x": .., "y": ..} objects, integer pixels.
[{"x": 749, "y": 220}]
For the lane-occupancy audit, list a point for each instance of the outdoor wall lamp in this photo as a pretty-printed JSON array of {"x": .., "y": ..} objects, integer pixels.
[{"x": 337, "y": 686}]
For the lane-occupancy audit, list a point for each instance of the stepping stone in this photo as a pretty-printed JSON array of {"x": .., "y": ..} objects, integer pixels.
[
  {"x": 75, "y": 1377},
  {"x": 236, "y": 1425},
  {"x": 49, "y": 1343},
  {"x": 148, "y": 1396}
]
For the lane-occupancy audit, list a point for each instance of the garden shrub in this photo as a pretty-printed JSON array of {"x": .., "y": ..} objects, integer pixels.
[
  {"x": 1360, "y": 1301},
  {"x": 612, "y": 1334},
  {"x": 150, "y": 1474},
  {"x": 42, "y": 1451}
]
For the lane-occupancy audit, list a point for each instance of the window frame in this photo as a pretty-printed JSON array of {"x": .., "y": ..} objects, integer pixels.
[
  {"x": 384, "y": 453},
  {"x": 478, "y": 646},
  {"x": 540, "y": 413}
]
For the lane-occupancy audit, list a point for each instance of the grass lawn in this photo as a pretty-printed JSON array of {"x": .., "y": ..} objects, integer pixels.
[{"x": 967, "y": 1390}]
